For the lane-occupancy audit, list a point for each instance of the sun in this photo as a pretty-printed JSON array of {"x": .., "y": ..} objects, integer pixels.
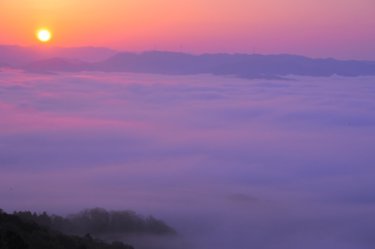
[{"x": 44, "y": 35}]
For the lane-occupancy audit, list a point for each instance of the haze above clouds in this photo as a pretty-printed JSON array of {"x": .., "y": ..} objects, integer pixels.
[{"x": 229, "y": 162}]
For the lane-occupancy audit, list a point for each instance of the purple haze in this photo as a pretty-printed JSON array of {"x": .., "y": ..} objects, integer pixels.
[{"x": 229, "y": 162}]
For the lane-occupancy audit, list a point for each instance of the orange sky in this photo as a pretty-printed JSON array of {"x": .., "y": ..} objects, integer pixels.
[{"x": 339, "y": 28}]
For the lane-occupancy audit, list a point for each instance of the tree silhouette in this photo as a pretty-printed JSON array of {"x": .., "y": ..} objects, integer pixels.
[{"x": 19, "y": 233}]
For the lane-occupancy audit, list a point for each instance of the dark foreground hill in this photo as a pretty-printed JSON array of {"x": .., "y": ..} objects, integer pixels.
[
  {"x": 16, "y": 233},
  {"x": 99, "y": 222}
]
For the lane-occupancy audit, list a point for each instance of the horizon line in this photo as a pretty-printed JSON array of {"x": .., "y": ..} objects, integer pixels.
[{"x": 47, "y": 47}]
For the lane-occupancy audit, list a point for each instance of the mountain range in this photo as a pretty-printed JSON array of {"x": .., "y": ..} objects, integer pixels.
[{"x": 51, "y": 60}]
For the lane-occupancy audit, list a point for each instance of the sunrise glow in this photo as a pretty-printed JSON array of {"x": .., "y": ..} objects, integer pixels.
[
  {"x": 44, "y": 35},
  {"x": 311, "y": 28}
]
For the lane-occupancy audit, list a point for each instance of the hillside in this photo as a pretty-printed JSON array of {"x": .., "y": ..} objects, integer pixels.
[
  {"x": 16, "y": 233},
  {"x": 99, "y": 222}
]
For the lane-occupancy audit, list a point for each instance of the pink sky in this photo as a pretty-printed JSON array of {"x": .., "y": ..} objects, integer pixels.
[{"x": 338, "y": 28}]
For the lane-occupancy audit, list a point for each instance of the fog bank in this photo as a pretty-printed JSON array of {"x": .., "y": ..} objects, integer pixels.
[{"x": 228, "y": 162}]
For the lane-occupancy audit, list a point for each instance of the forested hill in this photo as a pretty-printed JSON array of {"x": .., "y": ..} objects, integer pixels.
[
  {"x": 16, "y": 233},
  {"x": 100, "y": 222}
]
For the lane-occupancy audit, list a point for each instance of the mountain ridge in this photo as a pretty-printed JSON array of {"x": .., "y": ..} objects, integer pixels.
[{"x": 178, "y": 63}]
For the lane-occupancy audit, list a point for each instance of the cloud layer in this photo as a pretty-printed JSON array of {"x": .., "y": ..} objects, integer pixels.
[{"x": 229, "y": 162}]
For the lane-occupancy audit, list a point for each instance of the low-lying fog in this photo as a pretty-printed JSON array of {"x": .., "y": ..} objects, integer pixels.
[{"x": 228, "y": 162}]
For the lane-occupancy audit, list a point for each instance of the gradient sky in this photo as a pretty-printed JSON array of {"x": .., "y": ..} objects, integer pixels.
[{"x": 321, "y": 28}]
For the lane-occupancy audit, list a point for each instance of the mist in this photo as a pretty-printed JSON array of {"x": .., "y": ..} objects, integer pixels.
[{"x": 227, "y": 162}]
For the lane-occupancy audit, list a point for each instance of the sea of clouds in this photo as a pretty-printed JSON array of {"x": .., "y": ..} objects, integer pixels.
[{"x": 229, "y": 162}]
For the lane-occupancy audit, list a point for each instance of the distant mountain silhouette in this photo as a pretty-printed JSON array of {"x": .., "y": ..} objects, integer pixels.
[
  {"x": 18, "y": 56},
  {"x": 159, "y": 62},
  {"x": 242, "y": 65},
  {"x": 56, "y": 65}
]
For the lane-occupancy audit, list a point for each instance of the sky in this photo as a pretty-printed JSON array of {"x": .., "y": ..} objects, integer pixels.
[
  {"x": 228, "y": 162},
  {"x": 322, "y": 28}
]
